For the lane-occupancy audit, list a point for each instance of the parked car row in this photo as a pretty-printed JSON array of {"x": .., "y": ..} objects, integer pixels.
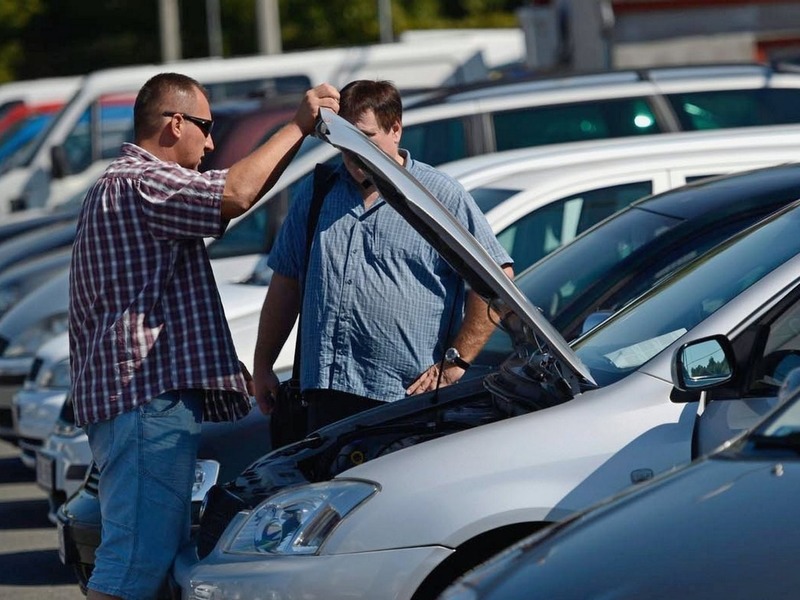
[
  {"x": 579, "y": 393},
  {"x": 406, "y": 497}
]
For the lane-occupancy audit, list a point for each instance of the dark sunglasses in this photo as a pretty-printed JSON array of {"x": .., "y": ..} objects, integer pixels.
[{"x": 205, "y": 125}]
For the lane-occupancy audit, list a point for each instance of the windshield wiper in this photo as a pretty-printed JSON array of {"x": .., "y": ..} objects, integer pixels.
[{"x": 788, "y": 441}]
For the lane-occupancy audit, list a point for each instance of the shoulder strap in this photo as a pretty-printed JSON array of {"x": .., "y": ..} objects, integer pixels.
[{"x": 323, "y": 182}]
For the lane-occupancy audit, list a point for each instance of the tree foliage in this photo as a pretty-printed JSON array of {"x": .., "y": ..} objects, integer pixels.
[
  {"x": 14, "y": 18},
  {"x": 42, "y": 38}
]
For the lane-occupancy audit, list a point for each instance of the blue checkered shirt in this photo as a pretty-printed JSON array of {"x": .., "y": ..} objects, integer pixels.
[
  {"x": 144, "y": 312},
  {"x": 381, "y": 305}
]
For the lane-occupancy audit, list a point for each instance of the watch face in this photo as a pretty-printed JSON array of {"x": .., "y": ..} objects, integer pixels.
[{"x": 451, "y": 354}]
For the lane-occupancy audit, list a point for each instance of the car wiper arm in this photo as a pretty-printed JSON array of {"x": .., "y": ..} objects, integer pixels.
[{"x": 789, "y": 441}]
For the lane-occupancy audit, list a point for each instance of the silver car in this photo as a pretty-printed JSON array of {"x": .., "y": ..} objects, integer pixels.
[
  {"x": 554, "y": 429},
  {"x": 723, "y": 527}
]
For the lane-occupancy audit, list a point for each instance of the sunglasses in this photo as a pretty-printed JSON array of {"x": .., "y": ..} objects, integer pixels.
[{"x": 205, "y": 125}]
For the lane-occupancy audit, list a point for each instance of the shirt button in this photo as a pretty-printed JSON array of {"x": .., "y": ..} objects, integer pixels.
[{"x": 349, "y": 281}]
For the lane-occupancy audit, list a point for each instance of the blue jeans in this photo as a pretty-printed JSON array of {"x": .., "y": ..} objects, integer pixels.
[{"x": 147, "y": 460}]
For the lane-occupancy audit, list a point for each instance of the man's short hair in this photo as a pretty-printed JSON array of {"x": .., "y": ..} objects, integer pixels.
[
  {"x": 162, "y": 92},
  {"x": 382, "y": 97}
]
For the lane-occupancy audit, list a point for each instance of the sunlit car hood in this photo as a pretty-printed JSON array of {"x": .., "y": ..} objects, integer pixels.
[{"x": 449, "y": 237}]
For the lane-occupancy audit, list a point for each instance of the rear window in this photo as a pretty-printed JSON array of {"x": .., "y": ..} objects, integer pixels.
[{"x": 736, "y": 108}]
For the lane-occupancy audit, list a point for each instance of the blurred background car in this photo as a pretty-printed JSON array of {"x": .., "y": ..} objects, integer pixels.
[
  {"x": 722, "y": 527},
  {"x": 38, "y": 317},
  {"x": 44, "y": 420}
]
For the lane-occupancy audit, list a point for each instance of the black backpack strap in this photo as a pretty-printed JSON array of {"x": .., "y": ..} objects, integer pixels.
[{"x": 323, "y": 182}]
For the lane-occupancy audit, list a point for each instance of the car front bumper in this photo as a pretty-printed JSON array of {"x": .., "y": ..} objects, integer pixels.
[
  {"x": 61, "y": 466},
  {"x": 386, "y": 574}
]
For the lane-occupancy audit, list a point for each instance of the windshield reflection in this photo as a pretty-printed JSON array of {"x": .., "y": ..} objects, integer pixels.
[{"x": 639, "y": 332}]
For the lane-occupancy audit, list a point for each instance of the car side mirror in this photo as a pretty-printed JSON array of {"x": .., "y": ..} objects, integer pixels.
[
  {"x": 703, "y": 364},
  {"x": 58, "y": 161}
]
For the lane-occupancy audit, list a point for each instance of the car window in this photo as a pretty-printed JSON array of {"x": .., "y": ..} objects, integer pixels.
[
  {"x": 115, "y": 126},
  {"x": 257, "y": 88},
  {"x": 777, "y": 351},
  {"x": 736, "y": 108},
  {"x": 693, "y": 178},
  {"x": 573, "y": 122},
  {"x": 16, "y": 138},
  {"x": 540, "y": 232},
  {"x": 436, "y": 142},
  {"x": 640, "y": 331},
  {"x": 565, "y": 276}
]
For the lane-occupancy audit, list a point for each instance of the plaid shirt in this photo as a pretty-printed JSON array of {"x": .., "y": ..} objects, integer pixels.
[{"x": 145, "y": 316}]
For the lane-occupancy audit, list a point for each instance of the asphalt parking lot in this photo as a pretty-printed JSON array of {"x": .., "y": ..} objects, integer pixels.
[{"x": 29, "y": 564}]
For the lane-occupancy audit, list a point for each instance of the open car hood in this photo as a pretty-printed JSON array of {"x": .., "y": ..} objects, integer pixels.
[{"x": 449, "y": 237}]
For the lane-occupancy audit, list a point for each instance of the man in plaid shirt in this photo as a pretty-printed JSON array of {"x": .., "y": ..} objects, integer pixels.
[{"x": 151, "y": 353}]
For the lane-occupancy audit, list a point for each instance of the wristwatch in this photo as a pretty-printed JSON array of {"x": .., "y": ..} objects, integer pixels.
[{"x": 452, "y": 356}]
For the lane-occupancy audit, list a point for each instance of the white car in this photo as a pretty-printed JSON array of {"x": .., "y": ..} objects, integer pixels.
[
  {"x": 358, "y": 510},
  {"x": 85, "y": 132},
  {"x": 535, "y": 199},
  {"x": 538, "y": 199}
]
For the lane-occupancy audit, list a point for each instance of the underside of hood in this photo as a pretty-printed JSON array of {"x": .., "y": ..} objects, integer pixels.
[{"x": 449, "y": 237}]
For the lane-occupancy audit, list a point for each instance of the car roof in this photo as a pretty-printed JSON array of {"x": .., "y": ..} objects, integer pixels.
[
  {"x": 714, "y": 76},
  {"x": 512, "y": 167},
  {"x": 687, "y": 203}
]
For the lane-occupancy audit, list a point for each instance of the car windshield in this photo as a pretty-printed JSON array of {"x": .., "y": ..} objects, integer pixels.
[
  {"x": 554, "y": 282},
  {"x": 779, "y": 433},
  {"x": 640, "y": 331}
]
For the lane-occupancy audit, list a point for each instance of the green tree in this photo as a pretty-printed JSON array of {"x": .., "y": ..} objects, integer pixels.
[
  {"x": 45, "y": 38},
  {"x": 14, "y": 18}
]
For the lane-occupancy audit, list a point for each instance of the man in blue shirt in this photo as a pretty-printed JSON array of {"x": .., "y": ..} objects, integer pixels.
[{"x": 382, "y": 311}]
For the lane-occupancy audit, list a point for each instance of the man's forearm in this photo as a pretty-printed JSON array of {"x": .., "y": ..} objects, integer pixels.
[
  {"x": 278, "y": 314},
  {"x": 477, "y": 325}
]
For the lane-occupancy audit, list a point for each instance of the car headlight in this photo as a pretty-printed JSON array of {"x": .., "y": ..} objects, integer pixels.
[
  {"x": 56, "y": 377},
  {"x": 67, "y": 430},
  {"x": 28, "y": 342},
  {"x": 299, "y": 519},
  {"x": 205, "y": 476}
]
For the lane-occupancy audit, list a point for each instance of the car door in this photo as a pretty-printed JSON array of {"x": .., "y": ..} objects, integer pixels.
[{"x": 766, "y": 350}]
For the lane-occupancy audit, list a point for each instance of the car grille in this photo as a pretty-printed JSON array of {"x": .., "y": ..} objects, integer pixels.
[
  {"x": 15, "y": 380},
  {"x": 220, "y": 508},
  {"x": 35, "y": 367},
  {"x": 6, "y": 420},
  {"x": 67, "y": 414},
  {"x": 92, "y": 480}
]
